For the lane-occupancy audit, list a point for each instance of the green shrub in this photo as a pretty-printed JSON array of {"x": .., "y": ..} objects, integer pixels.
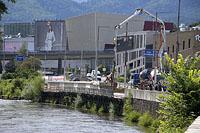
[
  {"x": 93, "y": 108},
  {"x": 132, "y": 116},
  {"x": 120, "y": 79},
  {"x": 111, "y": 109},
  {"x": 33, "y": 89},
  {"x": 155, "y": 125},
  {"x": 78, "y": 101},
  {"x": 181, "y": 105},
  {"x": 101, "y": 110},
  {"x": 128, "y": 105},
  {"x": 145, "y": 120}
]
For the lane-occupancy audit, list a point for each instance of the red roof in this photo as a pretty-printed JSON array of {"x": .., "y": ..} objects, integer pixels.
[{"x": 151, "y": 25}]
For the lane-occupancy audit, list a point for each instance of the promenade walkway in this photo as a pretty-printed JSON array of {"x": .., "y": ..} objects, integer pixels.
[{"x": 195, "y": 127}]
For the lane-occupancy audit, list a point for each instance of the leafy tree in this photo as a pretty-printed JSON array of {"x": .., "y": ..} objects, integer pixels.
[
  {"x": 30, "y": 63},
  {"x": 3, "y": 7},
  {"x": 10, "y": 66},
  {"x": 23, "y": 49},
  {"x": 76, "y": 70},
  {"x": 195, "y": 24},
  {"x": 181, "y": 105},
  {"x": 1, "y": 68}
]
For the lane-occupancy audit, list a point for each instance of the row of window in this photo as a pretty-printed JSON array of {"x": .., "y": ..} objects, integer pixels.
[
  {"x": 122, "y": 57},
  {"x": 181, "y": 47}
]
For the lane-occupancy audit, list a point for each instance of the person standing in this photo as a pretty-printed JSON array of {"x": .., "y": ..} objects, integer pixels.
[{"x": 50, "y": 38}]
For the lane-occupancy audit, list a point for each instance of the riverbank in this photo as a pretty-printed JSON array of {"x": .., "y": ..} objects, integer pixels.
[
  {"x": 101, "y": 105},
  {"x": 19, "y": 116}
]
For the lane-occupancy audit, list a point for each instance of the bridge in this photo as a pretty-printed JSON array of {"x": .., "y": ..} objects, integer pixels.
[
  {"x": 93, "y": 88},
  {"x": 62, "y": 55},
  {"x": 80, "y": 87}
]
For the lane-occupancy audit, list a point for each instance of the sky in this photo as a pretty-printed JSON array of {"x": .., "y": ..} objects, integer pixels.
[{"x": 80, "y": 1}]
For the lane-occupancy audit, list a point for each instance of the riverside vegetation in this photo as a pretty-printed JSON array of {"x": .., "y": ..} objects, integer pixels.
[
  {"x": 180, "y": 106},
  {"x": 22, "y": 80},
  {"x": 177, "y": 110}
]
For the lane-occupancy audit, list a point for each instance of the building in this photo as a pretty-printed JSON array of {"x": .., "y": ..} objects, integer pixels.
[
  {"x": 13, "y": 29},
  {"x": 15, "y": 44},
  {"x": 84, "y": 32},
  {"x": 189, "y": 43},
  {"x": 130, "y": 52}
]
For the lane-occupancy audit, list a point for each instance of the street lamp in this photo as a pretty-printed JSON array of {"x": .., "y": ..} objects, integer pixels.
[
  {"x": 3, "y": 56},
  {"x": 97, "y": 44}
]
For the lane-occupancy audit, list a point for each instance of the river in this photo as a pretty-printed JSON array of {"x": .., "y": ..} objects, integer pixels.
[{"x": 26, "y": 117}]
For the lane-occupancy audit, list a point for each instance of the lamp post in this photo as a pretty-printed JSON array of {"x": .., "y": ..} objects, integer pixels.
[
  {"x": 3, "y": 56},
  {"x": 97, "y": 44}
]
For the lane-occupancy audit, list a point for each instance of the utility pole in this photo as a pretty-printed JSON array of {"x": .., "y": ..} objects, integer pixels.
[
  {"x": 95, "y": 38},
  {"x": 178, "y": 30},
  {"x": 125, "y": 56},
  {"x": 155, "y": 55}
]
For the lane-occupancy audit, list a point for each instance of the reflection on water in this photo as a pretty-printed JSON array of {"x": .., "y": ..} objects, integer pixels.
[{"x": 26, "y": 117}]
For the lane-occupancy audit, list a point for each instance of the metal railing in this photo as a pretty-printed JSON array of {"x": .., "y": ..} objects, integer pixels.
[{"x": 80, "y": 87}]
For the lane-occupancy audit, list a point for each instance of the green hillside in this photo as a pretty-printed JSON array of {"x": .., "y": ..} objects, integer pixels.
[{"x": 29, "y": 10}]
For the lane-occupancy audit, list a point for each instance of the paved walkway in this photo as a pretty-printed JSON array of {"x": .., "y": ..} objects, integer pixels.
[{"x": 195, "y": 127}]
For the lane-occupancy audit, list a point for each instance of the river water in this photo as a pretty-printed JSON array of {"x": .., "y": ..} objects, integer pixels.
[{"x": 25, "y": 117}]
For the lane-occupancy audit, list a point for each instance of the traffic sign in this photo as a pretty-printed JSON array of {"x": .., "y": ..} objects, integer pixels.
[
  {"x": 20, "y": 58},
  {"x": 149, "y": 52}
]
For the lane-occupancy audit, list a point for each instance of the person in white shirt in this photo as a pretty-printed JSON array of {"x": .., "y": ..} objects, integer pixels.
[{"x": 50, "y": 38}]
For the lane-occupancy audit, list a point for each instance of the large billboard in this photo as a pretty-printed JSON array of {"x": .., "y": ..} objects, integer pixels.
[{"x": 50, "y": 35}]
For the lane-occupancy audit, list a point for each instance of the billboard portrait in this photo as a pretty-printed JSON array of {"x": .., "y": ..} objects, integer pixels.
[{"x": 50, "y": 35}]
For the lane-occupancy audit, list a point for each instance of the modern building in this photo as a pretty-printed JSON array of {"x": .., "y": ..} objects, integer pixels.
[
  {"x": 130, "y": 52},
  {"x": 139, "y": 50},
  {"x": 13, "y": 29},
  {"x": 86, "y": 31},
  {"x": 15, "y": 44}
]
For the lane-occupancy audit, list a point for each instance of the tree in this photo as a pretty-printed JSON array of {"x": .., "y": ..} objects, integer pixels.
[
  {"x": 195, "y": 24},
  {"x": 181, "y": 105},
  {"x": 1, "y": 68},
  {"x": 3, "y": 7},
  {"x": 23, "y": 50},
  {"x": 10, "y": 67},
  {"x": 30, "y": 63}
]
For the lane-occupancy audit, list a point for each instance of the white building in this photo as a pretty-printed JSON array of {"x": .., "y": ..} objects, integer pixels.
[{"x": 130, "y": 51}]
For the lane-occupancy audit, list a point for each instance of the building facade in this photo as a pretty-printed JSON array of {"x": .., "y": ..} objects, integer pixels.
[
  {"x": 189, "y": 43},
  {"x": 87, "y": 31},
  {"x": 15, "y": 44},
  {"x": 13, "y": 29}
]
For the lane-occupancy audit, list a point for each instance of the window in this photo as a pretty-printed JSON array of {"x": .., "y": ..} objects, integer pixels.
[
  {"x": 183, "y": 45},
  {"x": 133, "y": 55},
  {"x": 138, "y": 42},
  {"x": 141, "y": 41},
  {"x": 131, "y": 65},
  {"x": 135, "y": 64},
  {"x": 189, "y": 40},
  {"x": 173, "y": 49},
  {"x": 138, "y": 63},
  {"x": 118, "y": 69},
  {"x": 140, "y": 53}
]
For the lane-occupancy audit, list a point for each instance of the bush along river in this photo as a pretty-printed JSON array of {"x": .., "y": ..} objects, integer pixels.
[{"x": 19, "y": 116}]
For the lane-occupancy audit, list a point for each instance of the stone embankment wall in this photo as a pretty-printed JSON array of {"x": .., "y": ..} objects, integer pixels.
[
  {"x": 145, "y": 100},
  {"x": 66, "y": 92}
]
